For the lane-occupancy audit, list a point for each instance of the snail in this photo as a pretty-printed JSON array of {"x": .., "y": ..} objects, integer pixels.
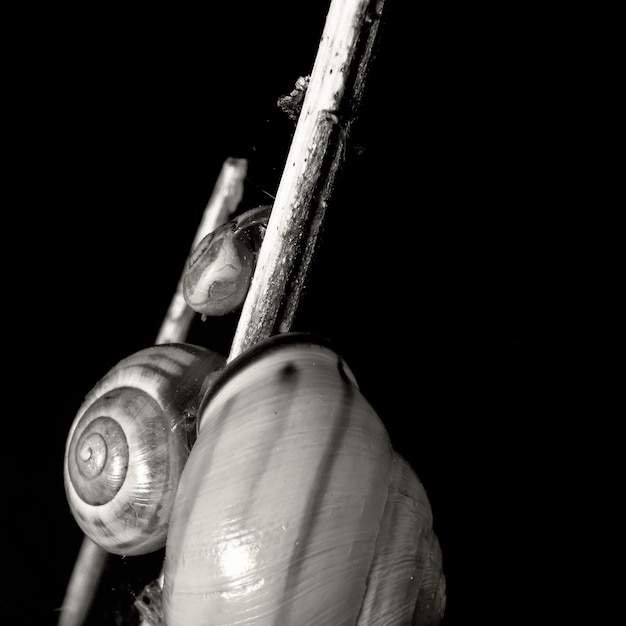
[
  {"x": 129, "y": 442},
  {"x": 220, "y": 268},
  {"x": 294, "y": 508}
]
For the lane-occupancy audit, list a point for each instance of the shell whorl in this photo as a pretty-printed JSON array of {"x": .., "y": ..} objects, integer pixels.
[
  {"x": 129, "y": 442},
  {"x": 98, "y": 460}
]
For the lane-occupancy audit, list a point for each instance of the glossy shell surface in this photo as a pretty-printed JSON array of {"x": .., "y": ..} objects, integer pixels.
[
  {"x": 293, "y": 507},
  {"x": 220, "y": 269}
]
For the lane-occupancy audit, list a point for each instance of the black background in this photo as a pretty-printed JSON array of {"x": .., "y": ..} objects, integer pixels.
[{"x": 434, "y": 275}]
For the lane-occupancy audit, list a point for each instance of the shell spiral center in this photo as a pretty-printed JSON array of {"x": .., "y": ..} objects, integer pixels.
[
  {"x": 99, "y": 461},
  {"x": 92, "y": 455}
]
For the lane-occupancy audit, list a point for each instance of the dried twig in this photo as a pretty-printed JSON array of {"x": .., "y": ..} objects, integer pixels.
[
  {"x": 92, "y": 559},
  {"x": 81, "y": 589},
  {"x": 317, "y": 151}
]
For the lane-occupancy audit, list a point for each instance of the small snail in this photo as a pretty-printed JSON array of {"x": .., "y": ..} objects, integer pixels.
[
  {"x": 129, "y": 442},
  {"x": 221, "y": 266},
  {"x": 293, "y": 507}
]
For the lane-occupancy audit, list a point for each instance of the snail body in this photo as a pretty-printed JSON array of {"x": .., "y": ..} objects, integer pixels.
[
  {"x": 293, "y": 507},
  {"x": 129, "y": 441},
  {"x": 221, "y": 266}
]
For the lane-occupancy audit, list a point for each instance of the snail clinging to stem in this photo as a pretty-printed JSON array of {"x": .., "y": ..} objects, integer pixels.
[
  {"x": 221, "y": 266},
  {"x": 293, "y": 507},
  {"x": 129, "y": 442}
]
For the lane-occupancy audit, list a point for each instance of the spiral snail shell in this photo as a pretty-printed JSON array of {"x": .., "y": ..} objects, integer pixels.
[
  {"x": 129, "y": 442},
  {"x": 221, "y": 266},
  {"x": 293, "y": 507}
]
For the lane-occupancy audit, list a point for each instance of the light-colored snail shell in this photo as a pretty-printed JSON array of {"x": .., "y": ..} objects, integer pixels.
[
  {"x": 221, "y": 266},
  {"x": 128, "y": 444},
  {"x": 293, "y": 507}
]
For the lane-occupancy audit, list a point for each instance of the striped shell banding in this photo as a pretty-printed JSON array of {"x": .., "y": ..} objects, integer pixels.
[{"x": 128, "y": 444}]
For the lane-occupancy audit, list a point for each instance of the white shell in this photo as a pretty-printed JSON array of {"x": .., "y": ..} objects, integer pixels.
[{"x": 293, "y": 507}]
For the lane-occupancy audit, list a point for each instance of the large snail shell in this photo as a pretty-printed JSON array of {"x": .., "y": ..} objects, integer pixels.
[
  {"x": 129, "y": 442},
  {"x": 293, "y": 507}
]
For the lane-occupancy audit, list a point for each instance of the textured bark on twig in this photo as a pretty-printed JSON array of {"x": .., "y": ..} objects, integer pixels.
[
  {"x": 317, "y": 151},
  {"x": 92, "y": 559}
]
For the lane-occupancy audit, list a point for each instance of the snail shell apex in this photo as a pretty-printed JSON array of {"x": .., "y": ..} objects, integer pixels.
[{"x": 128, "y": 444}]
